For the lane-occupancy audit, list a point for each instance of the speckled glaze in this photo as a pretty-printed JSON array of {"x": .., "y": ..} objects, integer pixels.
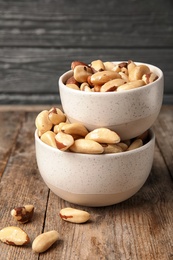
[
  {"x": 94, "y": 180},
  {"x": 129, "y": 113}
]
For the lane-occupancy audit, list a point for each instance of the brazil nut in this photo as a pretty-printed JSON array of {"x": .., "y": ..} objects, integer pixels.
[
  {"x": 112, "y": 85},
  {"x": 49, "y": 138},
  {"x": 102, "y": 77},
  {"x": 135, "y": 144},
  {"x": 112, "y": 148},
  {"x": 103, "y": 135},
  {"x": 74, "y": 128},
  {"x": 56, "y": 116},
  {"x": 74, "y": 215},
  {"x": 43, "y": 122},
  {"x": 81, "y": 73},
  {"x": 63, "y": 141},
  {"x": 131, "y": 85},
  {"x": 149, "y": 78},
  {"x": 86, "y": 146},
  {"x": 138, "y": 71},
  {"x": 97, "y": 65}
]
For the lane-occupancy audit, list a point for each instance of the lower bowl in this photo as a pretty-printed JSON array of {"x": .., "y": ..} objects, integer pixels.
[{"x": 94, "y": 180}]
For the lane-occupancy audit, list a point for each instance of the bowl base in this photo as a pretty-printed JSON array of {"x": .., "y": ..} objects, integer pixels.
[
  {"x": 93, "y": 200},
  {"x": 126, "y": 130}
]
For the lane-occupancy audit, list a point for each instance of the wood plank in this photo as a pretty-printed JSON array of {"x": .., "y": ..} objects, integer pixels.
[
  {"x": 45, "y": 36},
  {"x": 31, "y": 75},
  {"x": 60, "y": 24},
  {"x": 163, "y": 128},
  {"x": 25, "y": 108},
  {"x": 66, "y": 7},
  {"x": 10, "y": 126},
  {"x": 21, "y": 184}
]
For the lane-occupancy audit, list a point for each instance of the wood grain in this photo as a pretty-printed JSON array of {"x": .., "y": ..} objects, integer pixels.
[
  {"x": 20, "y": 185},
  {"x": 163, "y": 128},
  {"x": 138, "y": 228},
  {"x": 63, "y": 24},
  {"x": 56, "y": 30},
  {"x": 39, "y": 39},
  {"x": 31, "y": 75},
  {"x": 9, "y": 130}
]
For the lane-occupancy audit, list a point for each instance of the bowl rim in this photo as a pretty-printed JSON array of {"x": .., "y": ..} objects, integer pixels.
[
  {"x": 52, "y": 149},
  {"x": 69, "y": 72}
]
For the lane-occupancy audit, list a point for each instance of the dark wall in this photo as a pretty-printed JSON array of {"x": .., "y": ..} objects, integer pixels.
[{"x": 39, "y": 39}]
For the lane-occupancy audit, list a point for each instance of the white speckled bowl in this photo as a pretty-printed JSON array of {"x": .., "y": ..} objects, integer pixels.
[
  {"x": 129, "y": 113},
  {"x": 94, "y": 180}
]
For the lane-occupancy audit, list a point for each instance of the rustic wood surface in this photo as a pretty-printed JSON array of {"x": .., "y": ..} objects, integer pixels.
[
  {"x": 39, "y": 39},
  {"x": 138, "y": 228}
]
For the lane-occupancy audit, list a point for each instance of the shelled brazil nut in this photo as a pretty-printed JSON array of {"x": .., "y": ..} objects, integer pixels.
[
  {"x": 75, "y": 137},
  {"x": 99, "y": 76}
]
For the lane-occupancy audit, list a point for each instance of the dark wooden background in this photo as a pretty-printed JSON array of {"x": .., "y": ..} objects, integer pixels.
[{"x": 39, "y": 39}]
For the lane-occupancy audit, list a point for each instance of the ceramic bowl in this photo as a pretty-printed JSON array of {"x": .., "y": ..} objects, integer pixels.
[
  {"x": 94, "y": 180},
  {"x": 129, "y": 113}
]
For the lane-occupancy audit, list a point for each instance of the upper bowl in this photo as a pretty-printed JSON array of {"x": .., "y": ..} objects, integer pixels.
[{"x": 129, "y": 113}]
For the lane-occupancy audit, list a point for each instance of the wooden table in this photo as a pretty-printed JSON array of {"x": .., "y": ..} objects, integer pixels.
[{"x": 139, "y": 228}]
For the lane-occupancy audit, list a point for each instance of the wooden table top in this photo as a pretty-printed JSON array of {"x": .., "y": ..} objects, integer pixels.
[{"x": 138, "y": 228}]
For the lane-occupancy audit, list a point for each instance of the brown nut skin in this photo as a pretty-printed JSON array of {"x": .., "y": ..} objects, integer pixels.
[
  {"x": 23, "y": 214},
  {"x": 123, "y": 65},
  {"x": 72, "y": 83},
  {"x": 76, "y": 63},
  {"x": 72, "y": 80}
]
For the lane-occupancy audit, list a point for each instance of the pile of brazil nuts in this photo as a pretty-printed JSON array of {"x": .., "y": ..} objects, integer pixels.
[
  {"x": 16, "y": 236},
  {"x": 55, "y": 130},
  {"x": 99, "y": 76}
]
